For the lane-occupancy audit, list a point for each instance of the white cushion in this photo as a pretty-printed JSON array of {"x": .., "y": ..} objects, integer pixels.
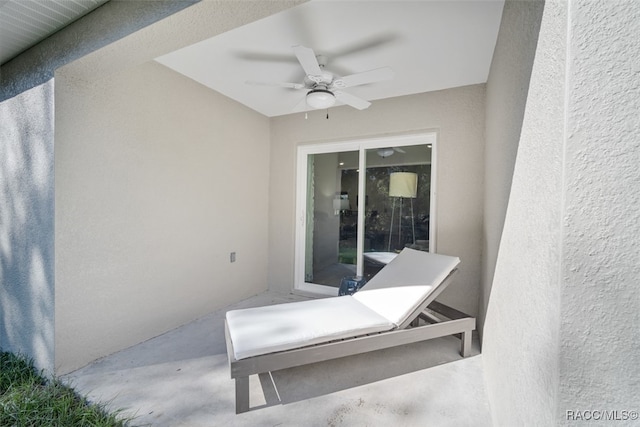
[
  {"x": 263, "y": 330},
  {"x": 396, "y": 304},
  {"x": 412, "y": 267},
  {"x": 405, "y": 283},
  {"x": 384, "y": 303}
]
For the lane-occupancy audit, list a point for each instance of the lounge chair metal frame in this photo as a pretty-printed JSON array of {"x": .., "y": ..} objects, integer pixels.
[{"x": 455, "y": 323}]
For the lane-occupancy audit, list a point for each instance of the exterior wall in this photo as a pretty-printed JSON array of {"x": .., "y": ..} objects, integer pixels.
[
  {"x": 27, "y": 109},
  {"x": 562, "y": 321},
  {"x": 26, "y": 224},
  {"x": 162, "y": 180},
  {"x": 89, "y": 49},
  {"x": 158, "y": 227},
  {"x": 599, "y": 347},
  {"x": 507, "y": 88},
  {"x": 457, "y": 115},
  {"x": 522, "y": 327}
]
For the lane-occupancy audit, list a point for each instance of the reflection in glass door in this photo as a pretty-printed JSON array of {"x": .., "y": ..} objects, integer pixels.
[
  {"x": 331, "y": 220},
  {"x": 397, "y": 207},
  {"x": 341, "y": 234}
]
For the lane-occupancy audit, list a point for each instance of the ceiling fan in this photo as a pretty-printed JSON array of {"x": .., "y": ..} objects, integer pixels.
[{"x": 323, "y": 87}]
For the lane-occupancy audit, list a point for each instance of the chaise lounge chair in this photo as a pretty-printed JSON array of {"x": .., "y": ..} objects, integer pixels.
[{"x": 390, "y": 310}]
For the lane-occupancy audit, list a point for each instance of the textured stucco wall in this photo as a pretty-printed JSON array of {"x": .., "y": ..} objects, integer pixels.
[
  {"x": 26, "y": 224},
  {"x": 92, "y": 47},
  {"x": 160, "y": 183},
  {"x": 521, "y": 331},
  {"x": 26, "y": 163},
  {"x": 560, "y": 337},
  {"x": 600, "y": 346},
  {"x": 458, "y": 117},
  {"x": 507, "y": 88},
  {"x": 100, "y": 87}
]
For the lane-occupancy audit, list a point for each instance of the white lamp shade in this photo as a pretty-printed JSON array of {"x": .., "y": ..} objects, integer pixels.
[{"x": 403, "y": 184}]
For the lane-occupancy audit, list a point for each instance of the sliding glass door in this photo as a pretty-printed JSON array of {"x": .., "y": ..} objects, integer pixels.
[
  {"x": 341, "y": 234},
  {"x": 330, "y": 223}
]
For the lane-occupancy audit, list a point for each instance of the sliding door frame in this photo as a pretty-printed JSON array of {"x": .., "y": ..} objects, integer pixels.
[{"x": 361, "y": 146}]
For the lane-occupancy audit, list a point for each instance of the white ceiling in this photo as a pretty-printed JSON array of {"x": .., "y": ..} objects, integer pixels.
[
  {"x": 23, "y": 23},
  {"x": 431, "y": 45}
]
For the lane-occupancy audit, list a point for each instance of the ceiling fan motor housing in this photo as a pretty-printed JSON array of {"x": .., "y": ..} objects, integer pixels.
[{"x": 320, "y": 79}]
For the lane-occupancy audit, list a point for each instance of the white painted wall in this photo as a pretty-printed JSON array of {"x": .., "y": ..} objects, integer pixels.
[
  {"x": 561, "y": 327},
  {"x": 458, "y": 116},
  {"x": 157, "y": 180}
]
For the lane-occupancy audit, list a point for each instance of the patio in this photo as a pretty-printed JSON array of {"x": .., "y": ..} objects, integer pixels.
[{"x": 181, "y": 378}]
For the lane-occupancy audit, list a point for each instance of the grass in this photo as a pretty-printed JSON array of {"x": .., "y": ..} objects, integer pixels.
[{"x": 28, "y": 399}]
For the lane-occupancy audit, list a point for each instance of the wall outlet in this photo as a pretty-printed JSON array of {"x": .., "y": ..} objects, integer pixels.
[{"x": 232, "y": 257}]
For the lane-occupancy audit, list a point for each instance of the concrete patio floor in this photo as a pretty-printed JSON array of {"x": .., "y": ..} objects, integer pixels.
[{"x": 181, "y": 378}]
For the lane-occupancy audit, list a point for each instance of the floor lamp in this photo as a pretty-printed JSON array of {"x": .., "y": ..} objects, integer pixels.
[{"x": 402, "y": 185}]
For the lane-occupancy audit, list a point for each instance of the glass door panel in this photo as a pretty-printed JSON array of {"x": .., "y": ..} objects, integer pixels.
[
  {"x": 331, "y": 217},
  {"x": 397, "y": 203}
]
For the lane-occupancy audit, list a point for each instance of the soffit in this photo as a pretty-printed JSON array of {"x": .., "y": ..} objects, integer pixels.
[{"x": 24, "y": 23}]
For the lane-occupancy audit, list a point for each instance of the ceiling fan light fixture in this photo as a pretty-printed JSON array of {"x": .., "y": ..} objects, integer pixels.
[
  {"x": 320, "y": 99},
  {"x": 385, "y": 152}
]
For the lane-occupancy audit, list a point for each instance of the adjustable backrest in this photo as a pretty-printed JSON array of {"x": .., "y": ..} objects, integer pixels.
[
  {"x": 405, "y": 286},
  {"x": 412, "y": 267}
]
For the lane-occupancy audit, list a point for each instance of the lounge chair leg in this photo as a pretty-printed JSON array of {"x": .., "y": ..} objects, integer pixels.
[
  {"x": 242, "y": 395},
  {"x": 465, "y": 343}
]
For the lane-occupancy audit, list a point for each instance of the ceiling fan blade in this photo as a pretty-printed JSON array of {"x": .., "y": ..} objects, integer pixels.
[
  {"x": 368, "y": 43},
  {"x": 263, "y": 57},
  {"x": 307, "y": 59},
  {"x": 399, "y": 150},
  {"x": 277, "y": 84},
  {"x": 352, "y": 100},
  {"x": 371, "y": 76}
]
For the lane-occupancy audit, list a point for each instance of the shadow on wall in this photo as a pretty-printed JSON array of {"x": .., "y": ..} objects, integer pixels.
[{"x": 27, "y": 225}]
